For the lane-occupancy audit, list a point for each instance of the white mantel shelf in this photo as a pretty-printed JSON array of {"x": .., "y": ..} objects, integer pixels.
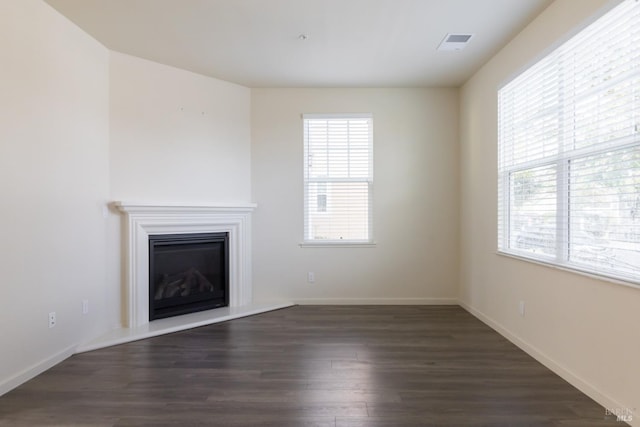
[
  {"x": 178, "y": 323},
  {"x": 128, "y": 207}
]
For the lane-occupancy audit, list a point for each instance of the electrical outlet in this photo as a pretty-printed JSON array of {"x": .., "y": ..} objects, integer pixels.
[
  {"x": 311, "y": 278},
  {"x": 52, "y": 319},
  {"x": 521, "y": 308},
  {"x": 85, "y": 306}
]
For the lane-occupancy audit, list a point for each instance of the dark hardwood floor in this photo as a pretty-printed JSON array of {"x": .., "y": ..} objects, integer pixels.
[{"x": 309, "y": 366}]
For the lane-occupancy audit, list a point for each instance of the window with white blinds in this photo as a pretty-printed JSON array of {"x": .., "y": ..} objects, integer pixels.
[
  {"x": 338, "y": 178},
  {"x": 569, "y": 152}
]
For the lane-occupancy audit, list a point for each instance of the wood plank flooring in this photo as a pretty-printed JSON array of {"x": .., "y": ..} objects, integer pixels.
[{"x": 338, "y": 366}]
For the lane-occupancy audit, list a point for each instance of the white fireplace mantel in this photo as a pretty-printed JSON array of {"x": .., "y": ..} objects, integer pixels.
[{"x": 144, "y": 219}]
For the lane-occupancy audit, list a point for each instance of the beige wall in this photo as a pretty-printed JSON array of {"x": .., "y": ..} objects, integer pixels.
[
  {"x": 415, "y": 198},
  {"x": 53, "y": 183},
  {"x": 585, "y": 329},
  {"x": 177, "y": 136}
]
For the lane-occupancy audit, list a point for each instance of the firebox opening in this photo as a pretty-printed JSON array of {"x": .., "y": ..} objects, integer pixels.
[{"x": 187, "y": 273}]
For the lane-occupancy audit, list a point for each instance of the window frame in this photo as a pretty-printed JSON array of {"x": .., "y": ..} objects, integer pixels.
[
  {"x": 307, "y": 181},
  {"x": 563, "y": 162}
]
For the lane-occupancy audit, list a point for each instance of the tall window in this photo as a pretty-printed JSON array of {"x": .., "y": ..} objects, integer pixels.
[
  {"x": 569, "y": 152},
  {"x": 338, "y": 178}
]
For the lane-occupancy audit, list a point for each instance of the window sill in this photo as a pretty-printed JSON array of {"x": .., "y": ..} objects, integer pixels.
[
  {"x": 570, "y": 269},
  {"x": 335, "y": 244}
]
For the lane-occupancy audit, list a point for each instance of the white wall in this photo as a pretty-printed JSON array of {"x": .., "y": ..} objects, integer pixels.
[
  {"x": 53, "y": 184},
  {"x": 415, "y": 198},
  {"x": 585, "y": 329},
  {"x": 175, "y": 137}
]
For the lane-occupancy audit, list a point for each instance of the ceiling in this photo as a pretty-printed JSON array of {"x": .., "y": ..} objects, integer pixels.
[{"x": 349, "y": 43}]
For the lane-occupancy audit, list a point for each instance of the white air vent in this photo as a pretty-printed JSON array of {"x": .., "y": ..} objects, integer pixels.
[{"x": 455, "y": 42}]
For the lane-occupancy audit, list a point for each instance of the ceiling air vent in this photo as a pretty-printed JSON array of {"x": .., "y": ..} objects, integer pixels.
[{"x": 455, "y": 42}]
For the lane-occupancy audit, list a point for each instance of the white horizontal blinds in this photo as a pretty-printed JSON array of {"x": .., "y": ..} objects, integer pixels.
[
  {"x": 532, "y": 198},
  {"x": 602, "y": 74},
  {"x": 569, "y": 152},
  {"x": 529, "y": 121},
  {"x": 605, "y": 212},
  {"x": 338, "y": 177}
]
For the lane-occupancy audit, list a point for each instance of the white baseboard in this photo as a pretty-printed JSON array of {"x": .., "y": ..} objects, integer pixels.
[
  {"x": 562, "y": 371},
  {"x": 376, "y": 301},
  {"x": 35, "y": 370}
]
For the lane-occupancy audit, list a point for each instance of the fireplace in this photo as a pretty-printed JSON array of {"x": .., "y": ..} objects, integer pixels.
[
  {"x": 187, "y": 273},
  {"x": 151, "y": 219}
]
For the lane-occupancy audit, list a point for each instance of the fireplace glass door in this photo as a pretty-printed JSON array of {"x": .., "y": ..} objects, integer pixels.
[{"x": 187, "y": 273}]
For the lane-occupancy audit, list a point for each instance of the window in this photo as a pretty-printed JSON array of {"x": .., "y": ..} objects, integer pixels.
[
  {"x": 569, "y": 152},
  {"x": 338, "y": 178}
]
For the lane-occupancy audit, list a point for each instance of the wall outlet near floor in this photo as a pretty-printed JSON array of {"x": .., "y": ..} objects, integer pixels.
[
  {"x": 85, "y": 306},
  {"x": 521, "y": 308},
  {"x": 311, "y": 277},
  {"x": 52, "y": 319}
]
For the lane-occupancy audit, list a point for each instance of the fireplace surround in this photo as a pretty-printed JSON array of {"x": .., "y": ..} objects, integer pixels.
[{"x": 142, "y": 220}]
